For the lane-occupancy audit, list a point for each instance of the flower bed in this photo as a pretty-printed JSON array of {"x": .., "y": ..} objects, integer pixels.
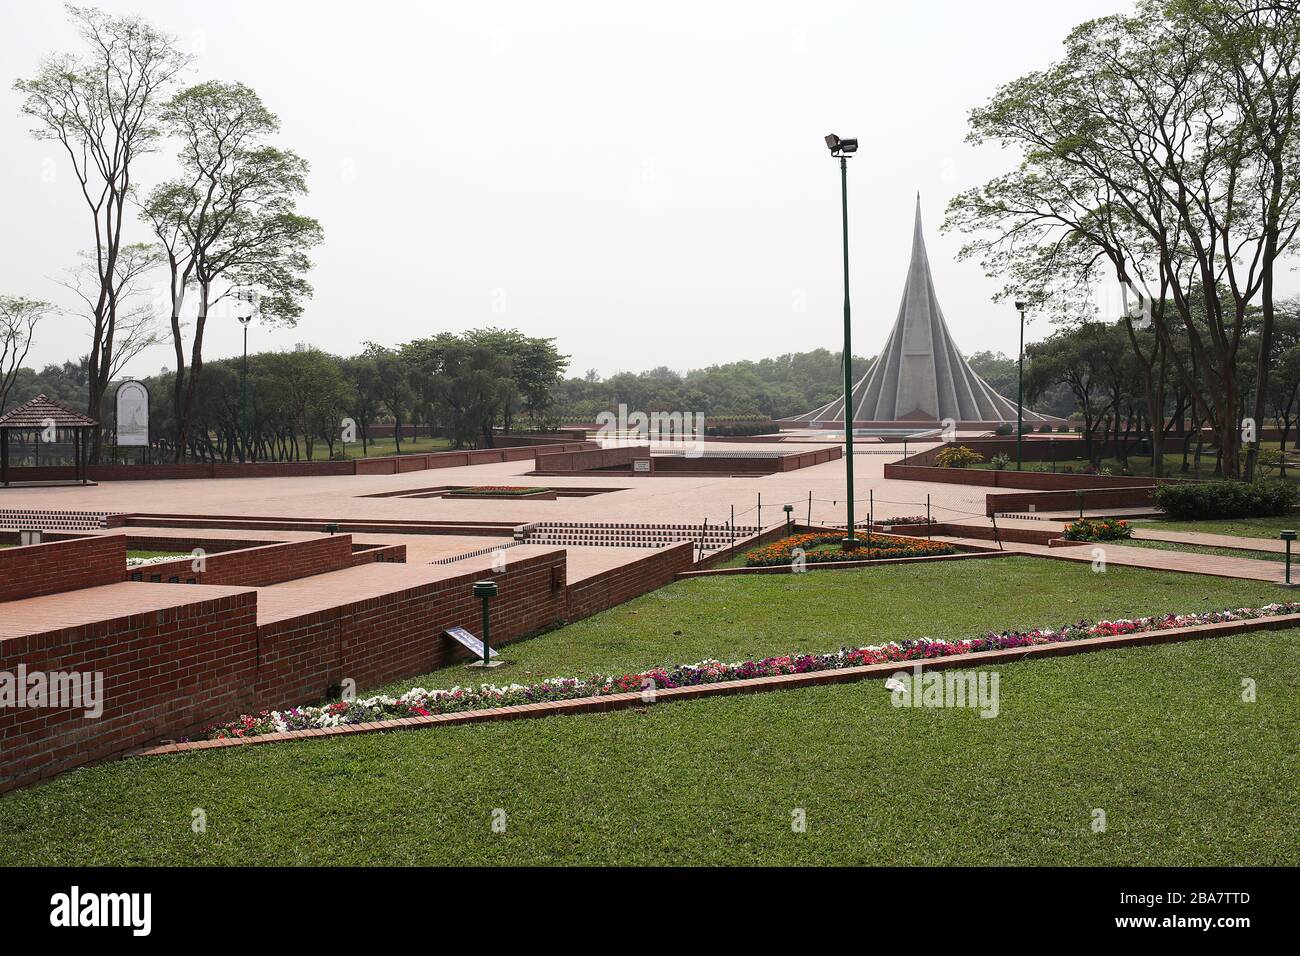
[
  {"x": 498, "y": 491},
  {"x": 419, "y": 702},
  {"x": 902, "y": 519},
  {"x": 874, "y": 548},
  {"x": 1099, "y": 529}
]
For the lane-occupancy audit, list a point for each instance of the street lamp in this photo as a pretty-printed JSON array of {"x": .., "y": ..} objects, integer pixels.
[
  {"x": 841, "y": 149},
  {"x": 1288, "y": 537},
  {"x": 243, "y": 380},
  {"x": 788, "y": 509},
  {"x": 1020, "y": 390}
]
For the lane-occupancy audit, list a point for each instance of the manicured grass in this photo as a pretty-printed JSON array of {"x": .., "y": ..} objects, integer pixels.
[
  {"x": 1238, "y": 527},
  {"x": 734, "y": 617},
  {"x": 1158, "y": 738},
  {"x": 382, "y": 447}
]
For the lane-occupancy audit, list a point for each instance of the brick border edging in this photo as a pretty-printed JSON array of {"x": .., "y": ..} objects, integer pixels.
[
  {"x": 840, "y": 565},
  {"x": 611, "y": 702}
]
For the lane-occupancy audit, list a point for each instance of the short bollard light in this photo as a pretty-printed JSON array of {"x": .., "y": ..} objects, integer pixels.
[
  {"x": 486, "y": 590},
  {"x": 332, "y": 528},
  {"x": 789, "y": 509},
  {"x": 1288, "y": 537}
]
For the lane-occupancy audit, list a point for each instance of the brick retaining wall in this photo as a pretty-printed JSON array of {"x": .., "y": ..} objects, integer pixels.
[
  {"x": 631, "y": 580},
  {"x": 59, "y": 566},
  {"x": 164, "y": 670},
  {"x": 390, "y": 465},
  {"x": 258, "y": 566}
]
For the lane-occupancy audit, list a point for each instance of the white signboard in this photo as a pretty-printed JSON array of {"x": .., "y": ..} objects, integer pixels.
[
  {"x": 641, "y": 466},
  {"x": 464, "y": 637},
  {"x": 132, "y": 414}
]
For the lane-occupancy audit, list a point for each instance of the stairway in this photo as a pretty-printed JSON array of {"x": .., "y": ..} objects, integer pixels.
[
  {"x": 19, "y": 519},
  {"x": 587, "y": 534}
]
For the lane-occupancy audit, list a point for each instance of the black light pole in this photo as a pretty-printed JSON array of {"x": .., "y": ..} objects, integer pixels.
[
  {"x": 1020, "y": 391},
  {"x": 841, "y": 149},
  {"x": 243, "y": 383}
]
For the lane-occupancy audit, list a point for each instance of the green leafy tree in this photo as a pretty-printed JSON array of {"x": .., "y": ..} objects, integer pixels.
[{"x": 229, "y": 222}]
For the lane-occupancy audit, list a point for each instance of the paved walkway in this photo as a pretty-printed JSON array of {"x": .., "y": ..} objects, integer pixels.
[
  {"x": 1208, "y": 540},
  {"x": 1153, "y": 558}
]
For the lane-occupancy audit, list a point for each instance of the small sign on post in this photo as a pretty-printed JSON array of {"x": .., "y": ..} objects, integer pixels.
[{"x": 468, "y": 641}]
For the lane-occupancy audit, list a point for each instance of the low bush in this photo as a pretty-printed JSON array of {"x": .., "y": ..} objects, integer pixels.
[
  {"x": 1099, "y": 529},
  {"x": 1005, "y": 428},
  {"x": 1000, "y": 462},
  {"x": 1197, "y": 501},
  {"x": 958, "y": 456}
]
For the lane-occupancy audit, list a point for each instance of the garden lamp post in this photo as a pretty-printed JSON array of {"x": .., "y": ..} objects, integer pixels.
[
  {"x": 1020, "y": 390},
  {"x": 486, "y": 590},
  {"x": 1288, "y": 537},
  {"x": 842, "y": 149},
  {"x": 243, "y": 389},
  {"x": 788, "y": 509}
]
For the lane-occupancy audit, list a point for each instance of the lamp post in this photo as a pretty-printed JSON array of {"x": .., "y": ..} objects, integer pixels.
[
  {"x": 486, "y": 590},
  {"x": 842, "y": 149},
  {"x": 1288, "y": 537},
  {"x": 243, "y": 384},
  {"x": 788, "y": 509},
  {"x": 1020, "y": 391}
]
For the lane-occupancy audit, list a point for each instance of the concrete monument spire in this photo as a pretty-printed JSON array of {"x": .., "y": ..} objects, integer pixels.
[{"x": 919, "y": 375}]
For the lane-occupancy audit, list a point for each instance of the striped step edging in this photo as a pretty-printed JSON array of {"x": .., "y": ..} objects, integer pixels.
[{"x": 612, "y": 702}]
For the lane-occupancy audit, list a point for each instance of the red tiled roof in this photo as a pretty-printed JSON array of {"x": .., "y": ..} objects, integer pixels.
[{"x": 38, "y": 411}]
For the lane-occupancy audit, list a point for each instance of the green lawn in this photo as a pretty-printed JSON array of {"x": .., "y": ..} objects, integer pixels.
[
  {"x": 1157, "y": 737},
  {"x": 1238, "y": 527},
  {"x": 732, "y": 617},
  {"x": 382, "y": 447}
]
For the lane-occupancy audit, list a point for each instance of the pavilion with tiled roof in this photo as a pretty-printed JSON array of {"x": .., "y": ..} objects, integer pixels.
[{"x": 38, "y": 415}]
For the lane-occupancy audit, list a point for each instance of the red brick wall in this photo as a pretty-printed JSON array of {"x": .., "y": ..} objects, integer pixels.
[
  {"x": 389, "y": 553},
  {"x": 382, "y": 639},
  {"x": 282, "y": 469},
  {"x": 1139, "y": 497},
  {"x": 258, "y": 566},
  {"x": 60, "y": 566},
  {"x": 1030, "y": 480},
  {"x": 589, "y": 459},
  {"x": 170, "y": 672},
  {"x": 632, "y": 580},
  {"x": 164, "y": 672}
]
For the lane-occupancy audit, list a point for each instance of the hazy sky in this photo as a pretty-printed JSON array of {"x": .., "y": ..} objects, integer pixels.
[{"x": 645, "y": 182}]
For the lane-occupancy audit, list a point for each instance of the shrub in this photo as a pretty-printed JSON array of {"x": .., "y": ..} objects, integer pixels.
[
  {"x": 1064, "y": 427},
  {"x": 957, "y": 457},
  {"x": 1100, "y": 529},
  {"x": 1000, "y": 462},
  {"x": 1196, "y": 501},
  {"x": 1271, "y": 458},
  {"x": 1005, "y": 428},
  {"x": 1045, "y": 427}
]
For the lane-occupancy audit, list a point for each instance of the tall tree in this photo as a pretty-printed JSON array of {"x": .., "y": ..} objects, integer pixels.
[
  {"x": 229, "y": 222},
  {"x": 135, "y": 327},
  {"x": 101, "y": 105},
  {"x": 1141, "y": 159},
  {"x": 18, "y": 320}
]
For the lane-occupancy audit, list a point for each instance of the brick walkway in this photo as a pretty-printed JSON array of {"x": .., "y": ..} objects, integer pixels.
[{"x": 1158, "y": 560}]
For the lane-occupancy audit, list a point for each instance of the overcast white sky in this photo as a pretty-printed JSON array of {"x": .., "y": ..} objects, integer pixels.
[{"x": 645, "y": 182}]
